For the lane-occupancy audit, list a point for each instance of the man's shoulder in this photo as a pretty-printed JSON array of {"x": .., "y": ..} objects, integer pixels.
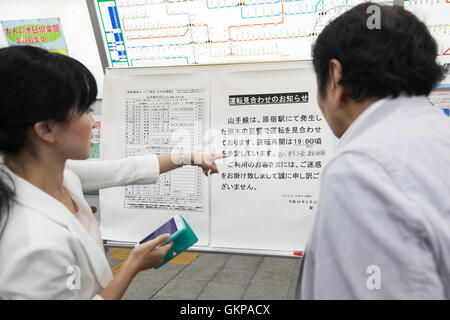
[
  {"x": 351, "y": 162},
  {"x": 392, "y": 135}
]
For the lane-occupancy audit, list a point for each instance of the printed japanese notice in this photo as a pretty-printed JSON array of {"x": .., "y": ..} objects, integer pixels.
[
  {"x": 155, "y": 122},
  {"x": 278, "y": 143},
  {"x": 143, "y": 115}
]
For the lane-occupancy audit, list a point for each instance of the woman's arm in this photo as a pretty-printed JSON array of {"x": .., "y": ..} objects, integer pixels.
[
  {"x": 101, "y": 174},
  {"x": 135, "y": 170}
]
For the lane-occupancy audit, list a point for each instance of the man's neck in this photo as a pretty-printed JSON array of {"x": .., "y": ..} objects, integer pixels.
[{"x": 353, "y": 110}]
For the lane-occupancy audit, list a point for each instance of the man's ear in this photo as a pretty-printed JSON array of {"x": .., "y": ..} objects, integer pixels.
[
  {"x": 339, "y": 92},
  {"x": 45, "y": 130}
]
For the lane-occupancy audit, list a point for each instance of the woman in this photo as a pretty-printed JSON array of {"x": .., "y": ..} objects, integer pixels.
[{"x": 50, "y": 245}]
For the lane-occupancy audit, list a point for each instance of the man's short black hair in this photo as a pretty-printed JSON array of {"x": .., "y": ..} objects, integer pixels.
[{"x": 398, "y": 58}]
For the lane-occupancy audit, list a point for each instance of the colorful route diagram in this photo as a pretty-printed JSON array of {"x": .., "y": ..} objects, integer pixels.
[
  {"x": 169, "y": 32},
  {"x": 436, "y": 15}
]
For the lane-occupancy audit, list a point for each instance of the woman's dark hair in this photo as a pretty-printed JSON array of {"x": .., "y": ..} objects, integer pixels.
[
  {"x": 397, "y": 58},
  {"x": 37, "y": 85}
]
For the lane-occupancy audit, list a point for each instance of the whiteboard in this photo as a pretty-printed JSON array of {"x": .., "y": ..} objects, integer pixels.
[
  {"x": 76, "y": 25},
  {"x": 264, "y": 115}
]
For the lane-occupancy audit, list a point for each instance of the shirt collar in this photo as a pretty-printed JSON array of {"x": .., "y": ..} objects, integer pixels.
[{"x": 349, "y": 134}]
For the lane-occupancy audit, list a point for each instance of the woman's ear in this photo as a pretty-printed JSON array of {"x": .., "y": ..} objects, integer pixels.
[{"x": 45, "y": 130}]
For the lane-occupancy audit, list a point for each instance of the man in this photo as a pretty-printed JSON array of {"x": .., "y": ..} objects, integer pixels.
[{"x": 382, "y": 229}]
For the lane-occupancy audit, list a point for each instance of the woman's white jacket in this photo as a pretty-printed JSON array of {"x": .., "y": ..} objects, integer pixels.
[{"x": 45, "y": 252}]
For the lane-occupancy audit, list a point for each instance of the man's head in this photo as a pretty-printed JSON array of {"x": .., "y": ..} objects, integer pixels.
[{"x": 357, "y": 65}]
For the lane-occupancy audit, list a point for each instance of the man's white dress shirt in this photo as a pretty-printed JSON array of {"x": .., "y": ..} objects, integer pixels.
[{"x": 382, "y": 229}]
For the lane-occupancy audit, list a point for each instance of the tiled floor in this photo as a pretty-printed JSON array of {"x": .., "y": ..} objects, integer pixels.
[{"x": 217, "y": 276}]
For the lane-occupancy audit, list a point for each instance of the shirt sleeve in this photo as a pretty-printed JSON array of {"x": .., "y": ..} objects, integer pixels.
[
  {"x": 366, "y": 242},
  {"x": 101, "y": 174}
]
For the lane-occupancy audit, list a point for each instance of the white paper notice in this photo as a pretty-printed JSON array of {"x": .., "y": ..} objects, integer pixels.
[
  {"x": 152, "y": 118},
  {"x": 160, "y": 114},
  {"x": 441, "y": 99},
  {"x": 278, "y": 142}
]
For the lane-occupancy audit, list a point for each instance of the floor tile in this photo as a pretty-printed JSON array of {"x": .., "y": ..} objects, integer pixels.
[
  {"x": 235, "y": 276},
  {"x": 222, "y": 291},
  {"x": 243, "y": 262},
  {"x": 181, "y": 289},
  {"x": 149, "y": 282}
]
